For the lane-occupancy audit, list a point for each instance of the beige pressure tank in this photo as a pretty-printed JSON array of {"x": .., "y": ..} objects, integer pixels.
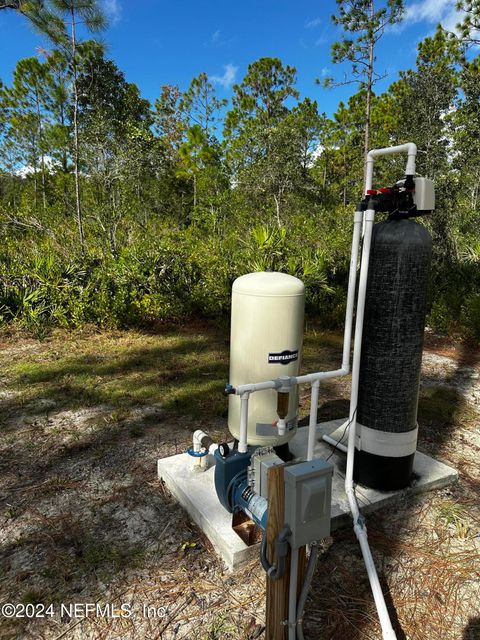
[{"x": 265, "y": 343}]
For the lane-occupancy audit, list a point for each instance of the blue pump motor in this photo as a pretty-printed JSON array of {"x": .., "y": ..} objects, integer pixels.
[
  {"x": 228, "y": 467},
  {"x": 233, "y": 490}
]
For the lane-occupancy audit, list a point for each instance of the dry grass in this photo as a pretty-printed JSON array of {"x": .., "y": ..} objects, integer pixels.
[{"x": 83, "y": 518}]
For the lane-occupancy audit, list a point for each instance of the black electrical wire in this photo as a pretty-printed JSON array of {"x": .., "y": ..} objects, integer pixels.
[{"x": 343, "y": 435}]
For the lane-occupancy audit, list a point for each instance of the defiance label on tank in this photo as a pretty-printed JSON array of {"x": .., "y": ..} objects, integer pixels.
[{"x": 284, "y": 357}]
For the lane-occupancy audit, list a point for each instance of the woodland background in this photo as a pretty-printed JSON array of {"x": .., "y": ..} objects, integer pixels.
[{"x": 118, "y": 212}]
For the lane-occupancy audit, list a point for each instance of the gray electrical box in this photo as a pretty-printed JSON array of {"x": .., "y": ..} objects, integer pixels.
[
  {"x": 308, "y": 500},
  {"x": 262, "y": 459},
  {"x": 424, "y": 196}
]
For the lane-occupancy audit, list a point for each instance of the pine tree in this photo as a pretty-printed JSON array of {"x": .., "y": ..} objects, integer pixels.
[{"x": 363, "y": 25}]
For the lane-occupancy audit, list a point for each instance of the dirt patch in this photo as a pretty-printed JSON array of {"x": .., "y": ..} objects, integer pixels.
[{"x": 83, "y": 518}]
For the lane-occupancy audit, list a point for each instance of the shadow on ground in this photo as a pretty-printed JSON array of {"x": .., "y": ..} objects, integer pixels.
[
  {"x": 81, "y": 508},
  {"x": 80, "y": 504},
  {"x": 424, "y": 602},
  {"x": 472, "y": 632}
]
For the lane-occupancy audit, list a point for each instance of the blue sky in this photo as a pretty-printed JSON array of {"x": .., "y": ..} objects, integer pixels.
[{"x": 158, "y": 42}]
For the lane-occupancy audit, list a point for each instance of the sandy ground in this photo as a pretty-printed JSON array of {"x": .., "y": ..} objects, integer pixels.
[{"x": 84, "y": 521}]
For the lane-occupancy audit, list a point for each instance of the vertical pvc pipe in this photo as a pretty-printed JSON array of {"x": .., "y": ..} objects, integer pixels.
[
  {"x": 312, "y": 426},
  {"x": 359, "y": 526},
  {"x": 242, "y": 442},
  {"x": 347, "y": 334},
  {"x": 292, "y": 596},
  {"x": 369, "y": 174},
  {"x": 352, "y": 280},
  {"x": 362, "y": 290}
]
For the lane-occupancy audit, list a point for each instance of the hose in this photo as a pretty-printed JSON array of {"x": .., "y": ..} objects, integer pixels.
[
  {"x": 312, "y": 563},
  {"x": 281, "y": 547}
]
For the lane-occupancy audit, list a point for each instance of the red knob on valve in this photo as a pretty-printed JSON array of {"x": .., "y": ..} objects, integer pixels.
[{"x": 371, "y": 192}]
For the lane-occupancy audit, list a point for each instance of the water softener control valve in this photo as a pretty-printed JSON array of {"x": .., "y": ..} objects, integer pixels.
[{"x": 410, "y": 197}]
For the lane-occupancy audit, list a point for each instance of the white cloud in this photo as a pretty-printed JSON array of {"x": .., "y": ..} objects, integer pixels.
[
  {"x": 49, "y": 163},
  {"x": 311, "y": 24},
  {"x": 217, "y": 39},
  {"x": 315, "y": 154},
  {"x": 434, "y": 11},
  {"x": 113, "y": 10},
  {"x": 228, "y": 77}
]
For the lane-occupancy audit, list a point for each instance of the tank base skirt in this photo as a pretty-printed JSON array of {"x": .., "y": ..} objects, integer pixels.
[{"x": 384, "y": 460}]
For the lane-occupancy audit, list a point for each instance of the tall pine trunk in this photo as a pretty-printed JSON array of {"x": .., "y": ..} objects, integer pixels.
[
  {"x": 42, "y": 156},
  {"x": 76, "y": 155},
  {"x": 368, "y": 107}
]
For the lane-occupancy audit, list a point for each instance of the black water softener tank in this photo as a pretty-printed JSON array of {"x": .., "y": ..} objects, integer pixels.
[{"x": 391, "y": 354}]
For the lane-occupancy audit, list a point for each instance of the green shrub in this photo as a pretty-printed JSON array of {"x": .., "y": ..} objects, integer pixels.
[
  {"x": 439, "y": 319},
  {"x": 470, "y": 317}
]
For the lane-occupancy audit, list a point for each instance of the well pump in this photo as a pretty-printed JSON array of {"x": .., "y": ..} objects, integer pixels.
[{"x": 266, "y": 346}]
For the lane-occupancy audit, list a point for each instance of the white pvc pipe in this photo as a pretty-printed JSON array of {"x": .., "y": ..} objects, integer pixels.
[
  {"x": 335, "y": 443},
  {"x": 242, "y": 442},
  {"x": 362, "y": 290},
  {"x": 275, "y": 384},
  {"x": 315, "y": 378},
  {"x": 292, "y": 596},
  {"x": 352, "y": 279},
  {"x": 409, "y": 147},
  {"x": 347, "y": 335},
  {"x": 197, "y": 437},
  {"x": 367, "y": 220},
  {"x": 257, "y": 386},
  {"x": 312, "y": 426},
  {"x": 320, "y": 375},
  {"x": 197, "y": 442},
  {"x": 387, "y": 630},
  {"x": 359, "y": 526}
]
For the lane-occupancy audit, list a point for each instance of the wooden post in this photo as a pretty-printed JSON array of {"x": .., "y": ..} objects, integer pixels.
[{"x": 277, "y": 590}]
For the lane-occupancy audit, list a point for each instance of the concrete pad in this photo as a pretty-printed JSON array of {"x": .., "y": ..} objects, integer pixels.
[{"x": 195, "y": 491}]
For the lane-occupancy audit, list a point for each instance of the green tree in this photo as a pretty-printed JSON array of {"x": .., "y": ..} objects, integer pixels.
[
  {"x": 170, "y": 121},
  {"x": 258, "y": 107},
  {"x": 466, "y": 157},
  {"x": 195, "y": 154},
  {"x": 29, "y": 102},
  {"x": 262, "y": 94},
  {"x": 58, "y": 131},
  {"x": 339, "y": 161},
  {"x": 201, "y": 104},
  {"x": 363, "y": 25},
  {"x": 469, "y": 27},
  {"x": 114, "y": 123},
  {"x": 73, "y": 12},
  {"x": 59, "y": 21},
  {"x": 34, "y": 10},
  {"x": 425, "y": 97},
  {"x": 269, "y": 146}
]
